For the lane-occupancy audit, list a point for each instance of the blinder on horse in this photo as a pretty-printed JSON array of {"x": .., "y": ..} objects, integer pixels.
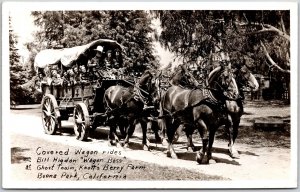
[
  {"x": 148, "y": 89},
  {"x": 221, "y": 85}
]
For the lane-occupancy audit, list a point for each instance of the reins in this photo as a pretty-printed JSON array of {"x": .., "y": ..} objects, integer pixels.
[{"x": 137, "y": 87}]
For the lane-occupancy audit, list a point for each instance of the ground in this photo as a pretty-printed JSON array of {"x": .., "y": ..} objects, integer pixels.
[{"x": 264, "y": 154}]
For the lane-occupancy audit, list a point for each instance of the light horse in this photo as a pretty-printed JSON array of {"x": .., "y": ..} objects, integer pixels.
[
  {"x": 188, "y": 107},
  {"x": 127, "y": 106}
]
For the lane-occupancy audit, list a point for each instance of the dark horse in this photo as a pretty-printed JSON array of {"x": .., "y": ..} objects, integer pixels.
[
  {"x": 128, "y": 106},
  {"x": 234, "y": 108},
  {"x": 190, "y": 108}
]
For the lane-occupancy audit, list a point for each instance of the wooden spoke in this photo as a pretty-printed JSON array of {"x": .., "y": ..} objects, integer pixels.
[
  {"x": 50, "y": 117},
  {"x": 81, "y": 121}
]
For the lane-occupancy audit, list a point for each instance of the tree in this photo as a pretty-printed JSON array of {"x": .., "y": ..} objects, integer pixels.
[
  {"x": 259, "y": 37},
  {"x": 74, "y": 28},
  {"x": 17, "y": 73}
]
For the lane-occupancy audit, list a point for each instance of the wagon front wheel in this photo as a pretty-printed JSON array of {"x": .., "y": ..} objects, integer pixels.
[
  {"x": 81, "y": 121},
  {"x": 50, "y": 114}
]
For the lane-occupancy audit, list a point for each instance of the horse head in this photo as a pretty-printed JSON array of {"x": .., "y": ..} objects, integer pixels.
[
  {"x": 183, "y": 77},
  {"x": 149, "y": 86},
  {"x": 222, "y": 83},
  {"x": 246, "y": 78}
]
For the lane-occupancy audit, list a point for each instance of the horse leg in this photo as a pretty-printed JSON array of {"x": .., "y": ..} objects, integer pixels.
[
  {"x": 155, "y": 129},
  {"x": 122, "y": 125},
  {"x": 189, "y": 134},
  {"x": 162, "y": 124},
  {"x": 111, "y": 135},
  {"x": 120, "y": 140},
  {"x": 144, "y": 130},
  {"x": 129, "y": 132},
  {"x": 149, "y": 125},
  {"x": 170, "y": 133},
  {"x": 178, "y": 132},
  {"x": 204, "y": 135},
  {"x": 117, "y": 139},
  {"x": 235, "y": 126},
  {"x": 232, "y": 128},
  {"x": 163, "y": 128},
  {"x": 114, "y": 134},
  {"x": 210, "y": 144}
]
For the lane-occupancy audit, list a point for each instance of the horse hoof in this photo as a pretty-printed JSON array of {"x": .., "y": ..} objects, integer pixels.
[
  {"x": 110, "y": 143},
  {"x": 145, "y": 148},
  {"x": 164, "y": 142},
  {"x": 174, "y": 156},
  {"x": 126, "y": 145},
  {"x": 148, "y": 142},
  {"x": 234, "y": 154},
  {"x": 119, "y": 144},
  {"x": 175, "y": 139},
  {"x": 168, "y": 154},
  {"x": 158, "y": 140},
  {"x": 190, "y": 149},
  {"x": 212, "y": 161},
  {"x": 199, "y": 158}
]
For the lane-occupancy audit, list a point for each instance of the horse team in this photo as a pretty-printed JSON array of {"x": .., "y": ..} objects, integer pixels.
[{"x": 203, "y": 107}]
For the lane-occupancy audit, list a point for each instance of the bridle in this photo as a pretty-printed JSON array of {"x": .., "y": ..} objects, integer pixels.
[
  {"x": 145, "y": 95},
  {"x": 223, "y": 89}
]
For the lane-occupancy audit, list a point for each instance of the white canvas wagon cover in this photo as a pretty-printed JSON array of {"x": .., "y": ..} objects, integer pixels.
[{"x": 67, "y": 56}]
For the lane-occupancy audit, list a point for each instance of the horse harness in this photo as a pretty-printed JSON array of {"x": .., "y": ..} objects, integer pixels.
[
  {"x": 137, "y": 96},
  {"x": 208, "y": 100}
]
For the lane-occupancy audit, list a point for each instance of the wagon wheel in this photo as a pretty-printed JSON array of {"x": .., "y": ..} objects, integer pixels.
[
  {"x": 50, "y": 114},
  {"x": 81, "y": 121}
]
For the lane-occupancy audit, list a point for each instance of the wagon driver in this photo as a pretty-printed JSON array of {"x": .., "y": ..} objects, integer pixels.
[{"x": 97, "y": 59}]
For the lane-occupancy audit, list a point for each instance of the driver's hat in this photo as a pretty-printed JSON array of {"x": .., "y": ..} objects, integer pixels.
[{"x": 99, "y": 48}]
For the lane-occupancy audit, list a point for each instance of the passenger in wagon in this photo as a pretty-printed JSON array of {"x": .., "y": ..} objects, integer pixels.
[
  {"x": 108, "y": 61},
  {"x": 118, "y": 60},
  {"x": 47, "y": 78},
  {"x": 56, "y": 78},
  {"x": 39, "y": 81},
  {"x": 71, "y": 77},
  {"x": 77, "y": 76},
  {"x": 83, "y": 74},
  {"x": 65, "y": 79}
]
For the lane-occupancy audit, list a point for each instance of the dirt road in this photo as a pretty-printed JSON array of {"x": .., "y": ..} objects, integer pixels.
[{"x": 268, "y": 164}]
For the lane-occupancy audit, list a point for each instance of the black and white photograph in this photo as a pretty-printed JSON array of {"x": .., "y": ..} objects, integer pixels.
[{"x": 149, "y": 95}]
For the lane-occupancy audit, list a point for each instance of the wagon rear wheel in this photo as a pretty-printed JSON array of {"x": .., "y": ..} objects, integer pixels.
[
  {"x": 50, "y": 114},
  {"x": 81, "y": 121}
]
